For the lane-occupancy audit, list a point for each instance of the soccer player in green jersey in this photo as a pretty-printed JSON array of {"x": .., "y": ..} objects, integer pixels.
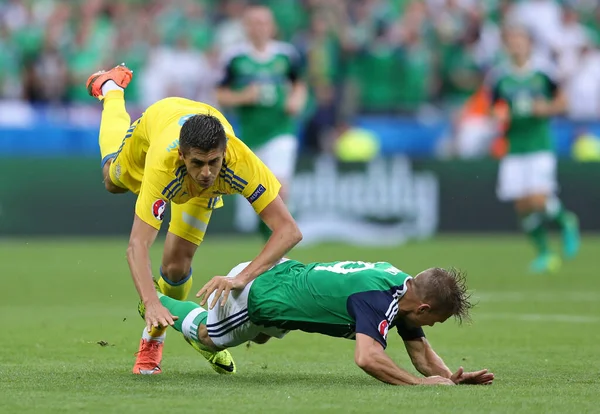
[
  {"x": 353, "y": 300},
  {"x": 262, "y": 81},
  {"x": 527, "y": 174}
]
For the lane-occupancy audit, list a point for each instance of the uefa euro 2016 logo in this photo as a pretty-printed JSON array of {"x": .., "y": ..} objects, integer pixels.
[{"x": 158, "y": 209}]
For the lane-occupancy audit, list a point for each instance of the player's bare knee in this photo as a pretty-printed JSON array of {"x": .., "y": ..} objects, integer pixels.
[
  {"x": 176, "y": 271},
  {"x": 112, "y": 188}
]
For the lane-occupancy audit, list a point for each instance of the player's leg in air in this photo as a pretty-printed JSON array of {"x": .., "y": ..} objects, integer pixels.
[
  {"x": 108, "y": 86},
  {"x": 186, "y": 231}
]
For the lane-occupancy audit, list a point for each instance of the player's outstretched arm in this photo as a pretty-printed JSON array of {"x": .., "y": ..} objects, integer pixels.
[
  {"x": 142, "y": 237},
  {"x": 371, "y": 358},
  {"x": 428, "y": 363},
  {"x": 286, "y": 235}
]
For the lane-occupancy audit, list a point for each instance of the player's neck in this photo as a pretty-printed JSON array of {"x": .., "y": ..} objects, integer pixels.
[
  {"x": 409, "y": 300},
  {"x": 261, "y": 48},
  {"x": 521, "y": 64}
]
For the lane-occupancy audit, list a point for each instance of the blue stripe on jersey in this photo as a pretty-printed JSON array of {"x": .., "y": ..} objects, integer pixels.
[
  {"x": 210, "y": 202},
  {"x": 175, "y": 190},
  {"x": 171, "y": 189},
  {"x": 232, "y": 183},
  {"x": 241, "y": 180},
  {"x": 180, "y": 173},
  {"x": 108, "y": 157},
  {"x": 232, "y": 179}
]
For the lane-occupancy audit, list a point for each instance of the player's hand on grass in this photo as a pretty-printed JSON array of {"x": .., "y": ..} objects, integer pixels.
[
  {"x": 482, "y": 377},
  {"x": 222, "y": 286},
  {"x": 157, "y": 315},
  {"x": 436, "y": 380}
]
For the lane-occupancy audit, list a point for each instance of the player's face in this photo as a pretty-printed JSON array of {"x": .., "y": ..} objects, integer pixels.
[
  {"x": 259, "y": 25},
  {"x": 203, "y": 167},
  {"x": 424, "y": 316},
  {"x": 518, "y": 44}
]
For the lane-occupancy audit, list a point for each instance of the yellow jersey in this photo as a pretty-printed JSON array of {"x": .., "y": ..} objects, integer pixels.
[{"x": 148, "y": 164}]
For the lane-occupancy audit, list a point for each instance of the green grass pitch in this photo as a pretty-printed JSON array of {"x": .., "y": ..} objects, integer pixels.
[{"x": 540, "y": 335}]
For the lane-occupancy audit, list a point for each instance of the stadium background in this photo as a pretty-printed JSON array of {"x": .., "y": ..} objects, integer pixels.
[{"x": 395, "y": 146}]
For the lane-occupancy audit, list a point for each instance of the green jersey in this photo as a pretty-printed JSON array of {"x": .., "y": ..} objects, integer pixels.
[
  {"x": 338, "y": 299},
  {"x": 273, "y": 72},
  {"x": 526, "y": 133}
]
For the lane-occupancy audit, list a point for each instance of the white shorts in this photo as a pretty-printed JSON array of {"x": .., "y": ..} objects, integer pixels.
[
  {"x": 522, "y": 175},
  {"x": 279, "y": 155},
  {"x": 230, "y": 325}
]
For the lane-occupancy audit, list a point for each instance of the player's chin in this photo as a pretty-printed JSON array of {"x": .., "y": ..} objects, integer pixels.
[{"x": 205, "y": 184}]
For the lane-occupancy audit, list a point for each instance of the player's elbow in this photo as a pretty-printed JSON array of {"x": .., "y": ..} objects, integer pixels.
[
  {"x": 289, "y": 231},
  {"x": 365, "y": 360},
  {"x": 295, "y": 233}
]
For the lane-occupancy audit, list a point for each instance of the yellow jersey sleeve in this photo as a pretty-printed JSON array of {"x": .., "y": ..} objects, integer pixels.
[
  {"x": 250, "y": 177},
  {"x": 151, "y": 204}
]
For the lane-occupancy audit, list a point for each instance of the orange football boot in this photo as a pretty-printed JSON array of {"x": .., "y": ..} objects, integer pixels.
[
  {"x": 148, "y": 358},
  {"x": 121, "y": 75}
]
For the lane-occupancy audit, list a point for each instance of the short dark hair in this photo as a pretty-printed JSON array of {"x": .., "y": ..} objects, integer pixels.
[
  {"x": 446, "y": 291},
  {"x": 204, "y": 132}
]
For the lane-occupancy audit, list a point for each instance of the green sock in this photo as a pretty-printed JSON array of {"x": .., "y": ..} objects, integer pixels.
[
  {"x": 264, "y": 230},
  {"x": 180, "y": 309},
  {"x": 533, "y": 225},
  {"x": 556, "y": 212}
]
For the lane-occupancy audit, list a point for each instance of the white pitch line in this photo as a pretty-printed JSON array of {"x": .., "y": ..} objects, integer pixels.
[{"x": 538, "y": 317}]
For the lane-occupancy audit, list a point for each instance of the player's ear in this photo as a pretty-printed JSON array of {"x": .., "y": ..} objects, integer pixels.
[
  {"x": 180, "y": 154},
  {"x": 423, "y": 308}
]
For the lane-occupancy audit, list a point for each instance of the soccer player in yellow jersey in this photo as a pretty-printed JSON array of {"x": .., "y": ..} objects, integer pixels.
[{"x": 183, "y": 153}]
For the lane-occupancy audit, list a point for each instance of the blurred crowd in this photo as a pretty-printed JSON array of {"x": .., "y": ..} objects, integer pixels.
[{"x": 368, "y": 56}]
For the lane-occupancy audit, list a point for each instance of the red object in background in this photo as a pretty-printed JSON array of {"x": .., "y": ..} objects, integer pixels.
[
  {"x": 480, "y": 104},
  {"x": 499, "y": 146}
]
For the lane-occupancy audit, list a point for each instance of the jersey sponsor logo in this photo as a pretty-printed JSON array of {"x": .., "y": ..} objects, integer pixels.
[
  {"x": 158, "y": 209},
  {"x": 260, "y": 190},
  {"x": 383, "y": 328}
]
